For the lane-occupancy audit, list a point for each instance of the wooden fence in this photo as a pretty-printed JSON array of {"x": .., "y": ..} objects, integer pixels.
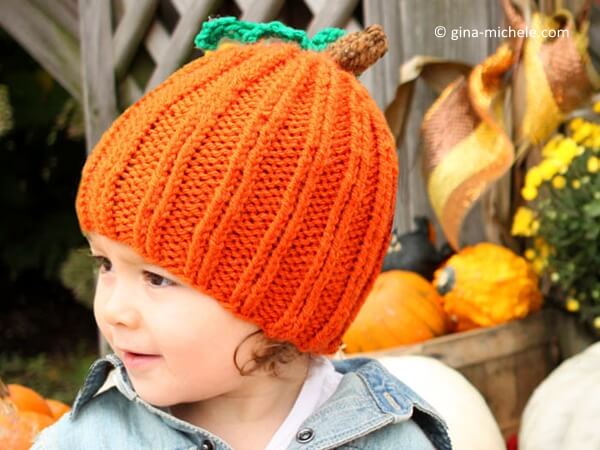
[{"x": 108, "y": 53}]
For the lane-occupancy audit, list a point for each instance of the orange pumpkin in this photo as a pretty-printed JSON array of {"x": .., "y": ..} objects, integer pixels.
[
  {"x": 23, "y": 414},
  {"x": 26, "y": 399},
  {"x": 401, "y": 308},
  {"x": 15, "y": 434},
  {"x": 58, "y": 408}
]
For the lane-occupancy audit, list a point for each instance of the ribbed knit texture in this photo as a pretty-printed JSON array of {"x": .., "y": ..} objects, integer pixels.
[{"x": 263, "y": 175}]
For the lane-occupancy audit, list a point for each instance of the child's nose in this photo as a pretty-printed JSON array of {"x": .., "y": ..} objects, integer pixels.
[{"x": 120, "y": 308}]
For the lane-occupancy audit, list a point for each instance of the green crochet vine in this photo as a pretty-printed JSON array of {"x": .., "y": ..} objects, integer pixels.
[{"x": 249, "y": 32}]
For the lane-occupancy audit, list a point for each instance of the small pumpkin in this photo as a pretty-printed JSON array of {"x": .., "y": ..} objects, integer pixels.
[
  {"x": 15, "y": 433},
  {"x": 23, "y": 414},
  {"x": 58, "y": 408},
  {"x": 401, "y": 308},
  {"x": 26, "y": 399},
  {"x": 486, "y": 285}
]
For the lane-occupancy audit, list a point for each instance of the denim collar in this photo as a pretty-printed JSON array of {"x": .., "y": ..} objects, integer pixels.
[
  {"x": 384, "y": 400},
  {"x": 367, "y": 398}
]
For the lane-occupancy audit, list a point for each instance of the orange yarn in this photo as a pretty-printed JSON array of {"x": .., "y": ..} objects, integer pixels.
[{"x": 265, "y": 176}]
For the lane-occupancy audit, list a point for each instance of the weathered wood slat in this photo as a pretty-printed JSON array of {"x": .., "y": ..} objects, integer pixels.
[
  {"x": 474, "y": 347},
  {"x": 130, "y": 32},
  {"x": 99, "y": 100},
  {"x": 181, "y": 5},
  {"x": 243, "y": 4},
  {"x": 374, "y": 78},
  {"x": 63, "y": 12},
  {"x": 181, "y": 42},
  {"x": 332, "y": 14},
  {"x": 380, "y": 80},
  {"x": 595, "y": 34},
  {"x": 262, "y": 10},
  {"x": 52, "y": 45},
  {"x": 129, "y": 92},
  {"x": 317, "y": 5},
  {"x": 157, "y": 40},
  {"x": 99, "y": 96}
]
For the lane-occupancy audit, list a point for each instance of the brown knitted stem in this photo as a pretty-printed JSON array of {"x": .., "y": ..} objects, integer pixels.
[{"x": 357, "y": 51}]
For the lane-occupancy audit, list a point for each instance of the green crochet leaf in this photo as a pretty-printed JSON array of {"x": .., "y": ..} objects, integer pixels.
[{"x": 249, "y": 32}]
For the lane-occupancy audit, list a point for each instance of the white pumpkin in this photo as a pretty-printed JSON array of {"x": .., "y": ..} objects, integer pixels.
[
  {"x": 470, "y": 422},
  {"x": 564, "y": 411}
]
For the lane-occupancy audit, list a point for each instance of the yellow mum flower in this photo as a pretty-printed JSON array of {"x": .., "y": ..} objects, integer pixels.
[
  {"x": 549, "y": 167},
  {"x": 572, "y": 305},
  {"x": 565, "y": 155},
  {"x": 538, "y": 265},
  {"x": 576, "y": 184},
  {"x": 533, "y": 178},
  {"x": 524, "y": 217},
  {"x": 569, "y": 145},
  {"x": 550, "y": 148},
  {"x": 575, "y": 124},
  {"x": 582, "y": 132},
  {"x": 559, "y": 182},
  {"x": 530, "y": 254},
  {"x": 529, "y": 193},
  {"x": 593, "y": 164},
  {"x": 597, "y": 323},
  {"x": 597, "y": 107}
]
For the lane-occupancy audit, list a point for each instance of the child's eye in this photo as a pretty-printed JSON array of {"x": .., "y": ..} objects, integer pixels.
[
  {"x": 102, "y": 263},
  {"x": 157, "y": 280}
]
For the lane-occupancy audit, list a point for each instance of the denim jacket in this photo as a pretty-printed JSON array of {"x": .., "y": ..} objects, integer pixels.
[{"x": 370, "y": 410}]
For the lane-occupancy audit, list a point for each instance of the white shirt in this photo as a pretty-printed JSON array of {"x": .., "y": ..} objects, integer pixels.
[{"x": 321, "y": 382}]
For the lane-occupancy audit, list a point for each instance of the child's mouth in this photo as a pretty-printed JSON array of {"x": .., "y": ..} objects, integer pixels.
[{"x": 138, "y": 360}]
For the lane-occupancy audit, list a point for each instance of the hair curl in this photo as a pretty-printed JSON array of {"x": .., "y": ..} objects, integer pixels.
[{"x": 270, "y": 355}]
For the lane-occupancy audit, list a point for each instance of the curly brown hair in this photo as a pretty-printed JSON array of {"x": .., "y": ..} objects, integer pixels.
[{"x": 270, "y": 355}]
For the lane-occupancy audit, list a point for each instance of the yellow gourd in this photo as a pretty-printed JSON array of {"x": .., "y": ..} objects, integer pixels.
[{"x": 486, "y": 285}]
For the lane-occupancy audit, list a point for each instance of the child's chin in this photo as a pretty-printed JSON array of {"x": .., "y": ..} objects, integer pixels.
[
  {"x": 152, "y": 394},
  {"x": 158, "y": 400}
]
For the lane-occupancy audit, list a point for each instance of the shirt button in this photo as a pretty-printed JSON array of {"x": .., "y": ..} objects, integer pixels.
[
  {"x": 207, "y": 445},
  {"x": 305, "y": 435}
]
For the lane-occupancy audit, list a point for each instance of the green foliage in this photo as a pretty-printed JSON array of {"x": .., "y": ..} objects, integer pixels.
[
  {"x": 78, "y": 274},
  {"x": 53, "y": 376},
  {"x": 6, "y": 118},
  {"x": 563, "y": 218}
]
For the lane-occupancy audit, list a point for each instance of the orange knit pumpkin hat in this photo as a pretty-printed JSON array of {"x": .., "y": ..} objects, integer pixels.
[{"x": 263, "y": 174}]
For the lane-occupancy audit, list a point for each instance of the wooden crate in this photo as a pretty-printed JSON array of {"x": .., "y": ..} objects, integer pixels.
[{"x": 505, "y": 363}]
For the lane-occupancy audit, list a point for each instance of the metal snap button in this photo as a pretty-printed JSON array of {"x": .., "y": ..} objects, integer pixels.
[
  {"x": 207, "y": 445},
  {"x": 305, "y": 435}
]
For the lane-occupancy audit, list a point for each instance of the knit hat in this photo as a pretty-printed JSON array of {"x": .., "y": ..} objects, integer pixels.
[{"x": 262, "y": 174}]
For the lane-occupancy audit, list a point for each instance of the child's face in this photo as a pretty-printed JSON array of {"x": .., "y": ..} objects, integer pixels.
[{"x": 142, "y": 308}]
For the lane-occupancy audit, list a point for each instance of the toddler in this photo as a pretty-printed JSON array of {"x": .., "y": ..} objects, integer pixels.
[{"x": 239, "y": 214}]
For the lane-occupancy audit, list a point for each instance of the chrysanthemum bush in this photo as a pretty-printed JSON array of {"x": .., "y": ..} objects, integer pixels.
[{"x": 562, "y": 217}]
